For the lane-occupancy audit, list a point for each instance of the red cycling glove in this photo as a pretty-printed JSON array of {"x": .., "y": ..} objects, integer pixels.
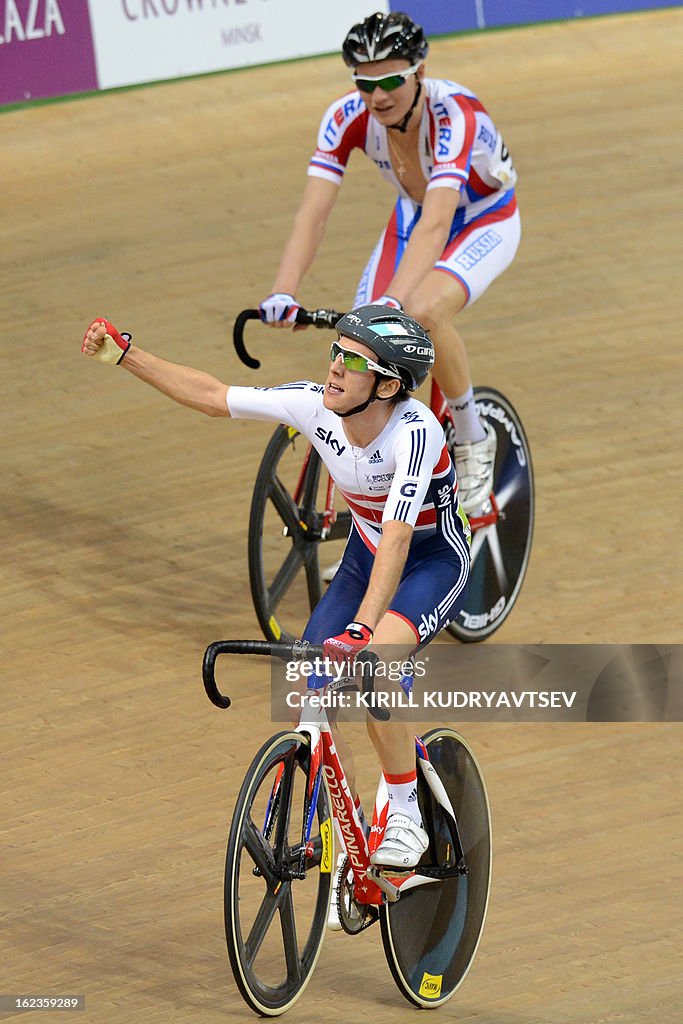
[
  {"x": 347, "y": 645},
  {"x": 114, "y": 346}
]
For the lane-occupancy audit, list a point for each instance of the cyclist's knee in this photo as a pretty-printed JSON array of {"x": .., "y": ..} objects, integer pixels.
[
  {"x": 396, "y": 635},
  {"x": 434, "y": 308},
  {"x": 424, "y": 315}
]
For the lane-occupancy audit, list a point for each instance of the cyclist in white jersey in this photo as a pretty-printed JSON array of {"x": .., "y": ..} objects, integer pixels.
[
  {"x": 455, "y": 226},
  {"x": 405, "y": 569}
]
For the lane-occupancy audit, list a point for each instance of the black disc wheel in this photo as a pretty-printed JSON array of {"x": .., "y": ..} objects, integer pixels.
[
  {"x": 501, "y": 550},
  {"x": 432, "y": 932},
  {"x": 292, "y": 541},
  {"x": 275, "y": 912}
]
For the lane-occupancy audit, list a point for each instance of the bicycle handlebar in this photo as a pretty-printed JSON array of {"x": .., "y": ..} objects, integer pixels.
[
  {"x": 322, "y": 318},
  {"x": 297, "y": 651}
]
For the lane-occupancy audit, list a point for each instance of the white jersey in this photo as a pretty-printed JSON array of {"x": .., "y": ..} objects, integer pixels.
[
  {"x": 459, "y": 146},
  {"x": 404, "y": 474}
]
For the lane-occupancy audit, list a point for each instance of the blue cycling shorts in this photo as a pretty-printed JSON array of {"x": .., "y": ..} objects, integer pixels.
[{"x": 431, "y": 592}]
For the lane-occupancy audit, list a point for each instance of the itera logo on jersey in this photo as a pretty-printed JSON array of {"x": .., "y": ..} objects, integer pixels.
[
  {"x": 32, "y": 20},
  {"x": 342, "y": 114},
  {"x": 445, "y": 131}
]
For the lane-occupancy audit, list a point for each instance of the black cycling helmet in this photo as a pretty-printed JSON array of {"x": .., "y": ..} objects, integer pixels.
[
  {"x": 382, "y": 36},
  {"x": 399, "y": 342}
]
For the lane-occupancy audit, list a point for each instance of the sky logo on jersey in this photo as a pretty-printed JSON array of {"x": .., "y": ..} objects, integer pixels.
[
  {"x": 329, "y": 438},
  {"x": 444, "y": 496},
  {"x": 428, "y": 624},
  {"x": 479, "y": 249}
]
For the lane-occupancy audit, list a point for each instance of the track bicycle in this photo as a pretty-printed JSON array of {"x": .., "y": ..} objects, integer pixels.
[
  {"x": 280, "y": 857},
  {"x": 295, "y": 514}
]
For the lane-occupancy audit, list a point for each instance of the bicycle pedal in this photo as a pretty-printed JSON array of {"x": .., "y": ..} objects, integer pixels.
[
  {"x": 383, "y": 880},
  {"x": 392, "y": 872}
]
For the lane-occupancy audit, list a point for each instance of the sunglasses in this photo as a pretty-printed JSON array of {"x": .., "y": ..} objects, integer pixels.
[
  {"x": 387, "y": 83},
  {"x": 355, "y": 361}
]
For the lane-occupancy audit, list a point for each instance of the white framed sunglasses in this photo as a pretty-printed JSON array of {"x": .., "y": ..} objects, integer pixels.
[
  {"x": 387, "y": 83},
  {"x": 355, "y": 361}
]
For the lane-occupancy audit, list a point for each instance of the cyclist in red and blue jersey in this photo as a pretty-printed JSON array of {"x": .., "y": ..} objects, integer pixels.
[
  {"x": 405, "y": 569},
  {"x": 455, "y": 226}
]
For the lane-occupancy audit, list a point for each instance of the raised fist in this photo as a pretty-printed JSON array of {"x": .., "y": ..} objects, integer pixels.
[{"x": 104, "y": 342}]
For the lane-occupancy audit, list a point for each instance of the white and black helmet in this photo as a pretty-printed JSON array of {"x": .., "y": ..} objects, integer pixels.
[
  {"x": 399, "y": 342},
  {"x": 382, "y": 36}
]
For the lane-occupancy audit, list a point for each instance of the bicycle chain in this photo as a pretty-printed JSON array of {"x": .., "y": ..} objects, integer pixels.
[{"x": 370, "y": 910}]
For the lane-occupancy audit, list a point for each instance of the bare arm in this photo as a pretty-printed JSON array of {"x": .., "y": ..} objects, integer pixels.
[
  {"x": 184, "y": 385},
  {"x": 307, "y": 233},
  {"x": 426, "y": 243},
  {"x": 390, "y": 560}
]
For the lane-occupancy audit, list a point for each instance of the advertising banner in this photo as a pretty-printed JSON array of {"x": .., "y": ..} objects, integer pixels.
[
  {"x": 152, "y": 40},
  {"x": 45, "y": 49},
  {"x": 57, "y": 47},
  {"x": 438, "y": 18}
]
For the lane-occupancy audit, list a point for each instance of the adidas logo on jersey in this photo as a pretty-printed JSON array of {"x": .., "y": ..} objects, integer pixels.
[{"x": 375, "y": 458}]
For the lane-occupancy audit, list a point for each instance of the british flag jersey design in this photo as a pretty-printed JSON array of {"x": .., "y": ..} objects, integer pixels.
[{"x": 404, "y": 474}]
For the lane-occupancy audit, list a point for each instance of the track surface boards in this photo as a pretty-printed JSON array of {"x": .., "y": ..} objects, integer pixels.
[{"x": 123, "y": 525}]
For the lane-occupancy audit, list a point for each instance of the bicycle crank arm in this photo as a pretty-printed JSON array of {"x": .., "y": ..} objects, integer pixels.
[
  {"x": 391, "y": 891},
  {"x": 438, "y": 873},
  {"x": 309, "y": 534}
]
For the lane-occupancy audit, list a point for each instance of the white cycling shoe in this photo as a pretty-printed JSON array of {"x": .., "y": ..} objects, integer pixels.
[
  {"x": 403, "y": 843},
  {"x": 474, "y": 466}
]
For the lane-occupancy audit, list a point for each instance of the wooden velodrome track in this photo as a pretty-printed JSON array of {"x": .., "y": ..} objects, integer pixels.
[{"x": 124, "y": 525}]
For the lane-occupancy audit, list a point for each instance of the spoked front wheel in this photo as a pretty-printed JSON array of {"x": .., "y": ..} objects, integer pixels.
[
  {"x": 293, "y": 509},
  {"x": 503, "y": 531},
  {"x": 275, "y": 920},
  {"x": 432, "y": 932}
]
